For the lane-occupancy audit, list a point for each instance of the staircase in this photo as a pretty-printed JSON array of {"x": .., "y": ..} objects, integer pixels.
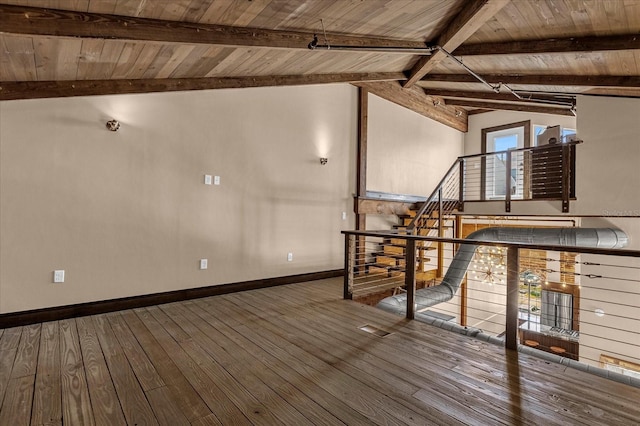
[{"x": 388, "y": 258}]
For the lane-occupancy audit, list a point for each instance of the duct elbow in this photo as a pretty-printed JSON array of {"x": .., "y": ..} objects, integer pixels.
[{"x": 615, "y": 238}]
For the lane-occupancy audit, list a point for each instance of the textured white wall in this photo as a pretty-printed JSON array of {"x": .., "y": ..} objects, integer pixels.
[
  {"x": 127, "y": 213},
  {"x": 407, "y": 153}
]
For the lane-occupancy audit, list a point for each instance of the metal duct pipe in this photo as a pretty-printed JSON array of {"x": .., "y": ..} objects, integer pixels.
[
  {"x": 406, "y": 50},
  {"x": 569, "y": 237}
]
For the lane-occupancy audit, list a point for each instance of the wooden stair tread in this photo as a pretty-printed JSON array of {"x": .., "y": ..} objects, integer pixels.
[
  {"x": 398, "y": 256},
  {"x": 388, "y": 267},
  {"x": 403, "y": 246}
]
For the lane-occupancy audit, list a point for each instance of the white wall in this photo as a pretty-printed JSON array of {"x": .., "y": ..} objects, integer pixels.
[
  {"x": 608, "y": 162},
  {"x": 407, "y": 152},
  {"x": 127, "y": 213},
  {"x": 608, "y": 184}
]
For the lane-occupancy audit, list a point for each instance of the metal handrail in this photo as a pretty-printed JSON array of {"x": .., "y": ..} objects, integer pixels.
[
  {"x": 549, "y": 247},
  {"x": 433, "y": 195},
  {"x": 529, "y": 149}
]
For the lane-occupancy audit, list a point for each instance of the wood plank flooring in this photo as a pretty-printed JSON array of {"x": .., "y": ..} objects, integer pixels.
[{"x": 291, "y": 355}]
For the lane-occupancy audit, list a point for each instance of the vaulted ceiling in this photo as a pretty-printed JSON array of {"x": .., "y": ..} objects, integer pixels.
[{"x": 442, "y": 58}]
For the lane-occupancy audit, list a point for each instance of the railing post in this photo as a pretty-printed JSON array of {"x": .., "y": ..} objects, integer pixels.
[
  {"x": 461, "y": 185},
  {"x": 440, "y": 266},
  {"x": 513, "y": 279},
  {"x": 410, "y": 277},
  {"x": 349, "y": 257},
  {"x": 566, "y": 177},
  {"x": 507, "y": 184}
]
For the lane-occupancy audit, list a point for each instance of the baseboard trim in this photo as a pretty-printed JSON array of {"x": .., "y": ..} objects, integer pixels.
[{"x": 15, "y": 319}]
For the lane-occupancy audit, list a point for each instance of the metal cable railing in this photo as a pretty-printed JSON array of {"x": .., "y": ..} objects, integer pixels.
[
  {"x": 538, "y": 173},
  {"x": 574, "y": 304},
  {"x": 543, "y": 172}
]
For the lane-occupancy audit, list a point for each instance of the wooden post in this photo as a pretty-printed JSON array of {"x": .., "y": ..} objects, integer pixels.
[
  {"x": 461, "y": 185},
  {"x": 507, "y": 184},
  {"x": 410, "y": 278},
  {"x": 513, "y": 279},
  {"x": 463, "y": 286},
  {"x": 440, "y": 268},
  {"x": 361, "y": 168},
  {"x": 349, "y": 255},
  {"x": 363, "y": 119}
]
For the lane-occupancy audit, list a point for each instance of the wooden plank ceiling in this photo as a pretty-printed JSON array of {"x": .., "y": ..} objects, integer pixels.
[{"x": 546, "y": 50}]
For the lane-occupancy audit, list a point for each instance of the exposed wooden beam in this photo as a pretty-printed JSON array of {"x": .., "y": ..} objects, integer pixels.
[
  {"x": 478, "y": 111},
  {"x": 553, "y": 45},
  {"x": 473, "y": 15},
  {"x": 65, "y": 23},
  {"x": 59, "y": 89},
  {"x": 510, "y": 107},
  {"x": 542, "y": 80},
  {"x": 415, "y": 99},
  {"x": 444, "y": 93},
  {"x": 363, "y": 126}
]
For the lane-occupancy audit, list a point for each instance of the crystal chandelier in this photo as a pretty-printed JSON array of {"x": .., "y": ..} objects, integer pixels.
[{"x": 489, "y": 265}]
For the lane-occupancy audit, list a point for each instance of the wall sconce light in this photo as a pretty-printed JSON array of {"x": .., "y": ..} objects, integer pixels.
[
  {"x": 323, "y": 160},
  {"x": 113, "y": 125}
]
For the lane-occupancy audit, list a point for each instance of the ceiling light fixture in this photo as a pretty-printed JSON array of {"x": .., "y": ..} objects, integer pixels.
[
  {"x": 324, "y": 160},
  {"x": 489, "y": 265}
]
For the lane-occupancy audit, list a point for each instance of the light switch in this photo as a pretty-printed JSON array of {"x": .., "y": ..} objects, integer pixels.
[
  {"x": 344, "y": 215},
  {"x": 289, "y": 257},
  {"x": 216, "y": 180},
  {"x": 207, "y": 179}
]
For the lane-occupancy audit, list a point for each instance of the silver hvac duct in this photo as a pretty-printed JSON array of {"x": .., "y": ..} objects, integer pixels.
[{"x": 569, "y": 237}]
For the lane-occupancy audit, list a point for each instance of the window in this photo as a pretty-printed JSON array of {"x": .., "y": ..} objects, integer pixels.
[
  {"x": 538, "y": 128},
  {"x": 495, "y": 179}
]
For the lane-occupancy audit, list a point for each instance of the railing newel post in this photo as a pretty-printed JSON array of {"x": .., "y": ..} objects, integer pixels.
[
  {"x": 507, "y": 183},
  {"x": 566, "y": 174},
  {"x": 513, "y": 277},
  {"x": 410, "y": 277},
  {"x": 349, "y": 257},
  {"x": 461, "y": 184}
]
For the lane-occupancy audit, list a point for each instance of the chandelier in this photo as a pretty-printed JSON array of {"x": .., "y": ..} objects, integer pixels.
[{"x": 489, "y": 265}]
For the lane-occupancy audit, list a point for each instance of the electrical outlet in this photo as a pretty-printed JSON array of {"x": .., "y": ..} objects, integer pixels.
[
  {"x": 289, "y": 257},
  {"x": 207, "y": 179},
  {"x": 58, "y": 276},
  {"x": 216, "y": 180},
  {"x": 203, "y": 263}
]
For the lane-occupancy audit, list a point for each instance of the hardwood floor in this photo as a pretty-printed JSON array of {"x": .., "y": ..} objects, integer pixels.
[{"x": 284, "y": 355}]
